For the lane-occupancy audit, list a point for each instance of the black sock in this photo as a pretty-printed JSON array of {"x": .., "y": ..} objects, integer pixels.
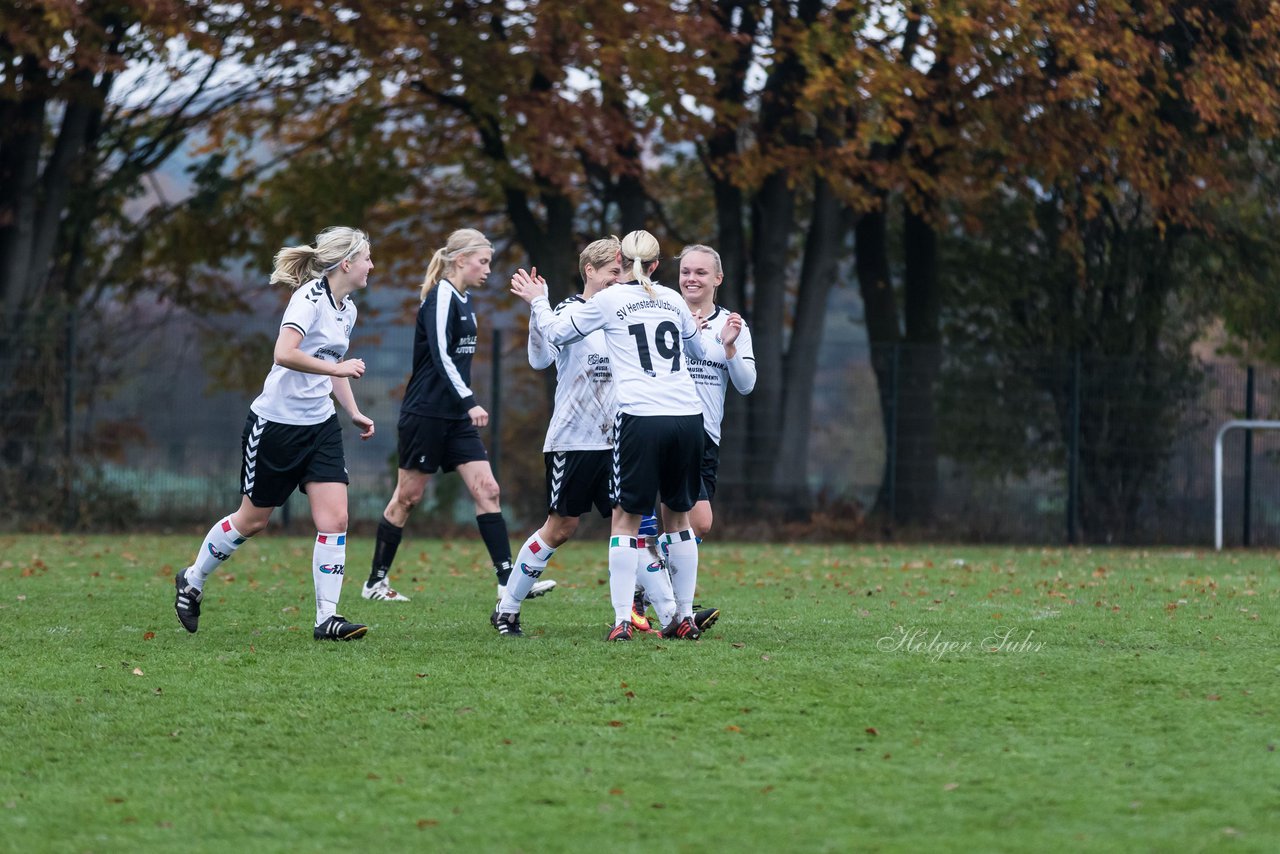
[
  {"x": 384, "y": 550},
  {"x": 493, "y": 530}
]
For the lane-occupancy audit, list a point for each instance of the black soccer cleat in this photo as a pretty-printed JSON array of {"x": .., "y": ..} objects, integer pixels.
[
  {"x": 683, "y": 629},
  {"x": 508, "y": 625},
  {"x": 337, "y": 628},
  {"x": 187, "y": 602},
  {"x": 705, "y": 619},
  {"x": 620, "y": 632}
]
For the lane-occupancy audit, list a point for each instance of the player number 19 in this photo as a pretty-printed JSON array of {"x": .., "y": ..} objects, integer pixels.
[{"x": 666, "y": 341}]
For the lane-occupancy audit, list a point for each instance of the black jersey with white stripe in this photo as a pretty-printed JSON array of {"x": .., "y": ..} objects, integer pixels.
[
  {"x": 444, "y": 342},
  {"x": 296, "y": 397}
]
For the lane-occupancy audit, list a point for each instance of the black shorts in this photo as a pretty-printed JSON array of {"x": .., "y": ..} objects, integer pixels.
[
  {"x": 710, "y": 468},
  {"x": 276, "y": 458},
  {"x": 657, "y": 457},
  {"x": 430, "y": 444},
  {"x": 578, "y": 479}
]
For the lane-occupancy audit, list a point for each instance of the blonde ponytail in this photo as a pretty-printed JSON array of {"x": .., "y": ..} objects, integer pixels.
[
  {"x": 294, "y": 265},
  {"x": 641, "y": 249},
  {"x": 463, "y": 242}
]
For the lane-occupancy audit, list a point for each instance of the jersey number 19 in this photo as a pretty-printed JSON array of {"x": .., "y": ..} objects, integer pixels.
[{"x": 666, "y": 342}]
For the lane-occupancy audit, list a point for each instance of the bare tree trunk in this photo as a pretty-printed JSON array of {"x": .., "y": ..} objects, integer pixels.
[
  {"x": 773, "y": 218},
  {"x": 20, "y": 146},
  {"x": 880, "y": 309},
  {"x": 829, "y": 227},
  {"x": 921, "y": 355}
]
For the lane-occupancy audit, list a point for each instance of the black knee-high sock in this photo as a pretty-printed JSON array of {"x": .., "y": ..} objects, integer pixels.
[
  {"x": 384, "y": 551},
  {"x": 493, "y": 530}
]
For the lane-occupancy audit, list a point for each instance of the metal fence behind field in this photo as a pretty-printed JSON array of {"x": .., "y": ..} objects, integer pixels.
[{"x": 1044, "y": 448}]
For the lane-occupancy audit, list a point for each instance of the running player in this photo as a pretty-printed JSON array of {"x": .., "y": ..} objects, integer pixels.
[
  {"x": 658, "y": 435},
  {"x": 292, "y": 438},
  {"x": 439, "y": 417}
]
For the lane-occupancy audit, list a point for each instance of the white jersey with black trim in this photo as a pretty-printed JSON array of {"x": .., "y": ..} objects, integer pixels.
[
  {"x": 585, "y": 404},
  {"x": 647, "y": 337},
  {"x": 713, "y": 372},
  {"x": 294, "y": 397}
]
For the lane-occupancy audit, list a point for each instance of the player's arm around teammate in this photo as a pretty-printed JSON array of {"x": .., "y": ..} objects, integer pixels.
[{"x": 292, "y": 439}]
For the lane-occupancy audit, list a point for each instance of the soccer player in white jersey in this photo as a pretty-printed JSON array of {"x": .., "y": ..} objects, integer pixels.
[
  {"x": 729, "y": 358},
  {"x": 292, "y": 438},
  {"x": 439, "y": 417},
  {"x": 579, "y": 446},
  {"x": 658, "y": 437}
]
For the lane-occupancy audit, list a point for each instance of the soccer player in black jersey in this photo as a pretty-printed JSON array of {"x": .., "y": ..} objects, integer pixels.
[{"x": 439, "y": 417}]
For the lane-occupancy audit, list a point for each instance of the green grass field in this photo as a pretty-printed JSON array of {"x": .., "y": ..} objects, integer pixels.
[{"x": 849, "y": 699}]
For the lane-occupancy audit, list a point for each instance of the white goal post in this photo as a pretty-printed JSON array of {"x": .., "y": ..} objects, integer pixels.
[{"x": 1217, "y": 468}]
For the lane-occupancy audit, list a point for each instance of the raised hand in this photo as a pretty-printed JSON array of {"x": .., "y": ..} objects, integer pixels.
[
  {"x": 528, "y": 286},
  {"x": 731, "y": 330}
]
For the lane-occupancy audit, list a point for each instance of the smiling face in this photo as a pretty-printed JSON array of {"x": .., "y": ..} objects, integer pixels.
[
  {"x": 470, "y": 271},
  {"x": 352, "y": 274},
  {"x": 599, "y": 278},
  {"x": 359, "y": 268},
  {"x": 699, "y": 278}
]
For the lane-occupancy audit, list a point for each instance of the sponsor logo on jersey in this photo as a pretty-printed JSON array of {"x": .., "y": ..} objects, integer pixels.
[
  {"x": 325, "y": 351},
  {"x": 333, "y": 568},
  {"x": 597, "y": 359}
]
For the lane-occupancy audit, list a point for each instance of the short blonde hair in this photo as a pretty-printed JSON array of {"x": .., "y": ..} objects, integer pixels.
[
  {"x": 462, "y": 242},
  {"x": 598, "y": 254},
  {"x": 294, "y": 265}
]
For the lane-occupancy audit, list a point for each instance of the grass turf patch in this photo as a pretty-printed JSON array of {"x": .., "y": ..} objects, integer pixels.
[{"x": 850, "y": 698}]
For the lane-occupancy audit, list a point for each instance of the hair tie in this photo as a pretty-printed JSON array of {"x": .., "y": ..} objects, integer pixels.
[{"x": 359, "y": 245}]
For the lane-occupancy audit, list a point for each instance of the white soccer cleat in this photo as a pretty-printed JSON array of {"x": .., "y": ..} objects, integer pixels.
[
  {"x": 541, "y": 588},
  {"x": 382, "y": 592}
]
